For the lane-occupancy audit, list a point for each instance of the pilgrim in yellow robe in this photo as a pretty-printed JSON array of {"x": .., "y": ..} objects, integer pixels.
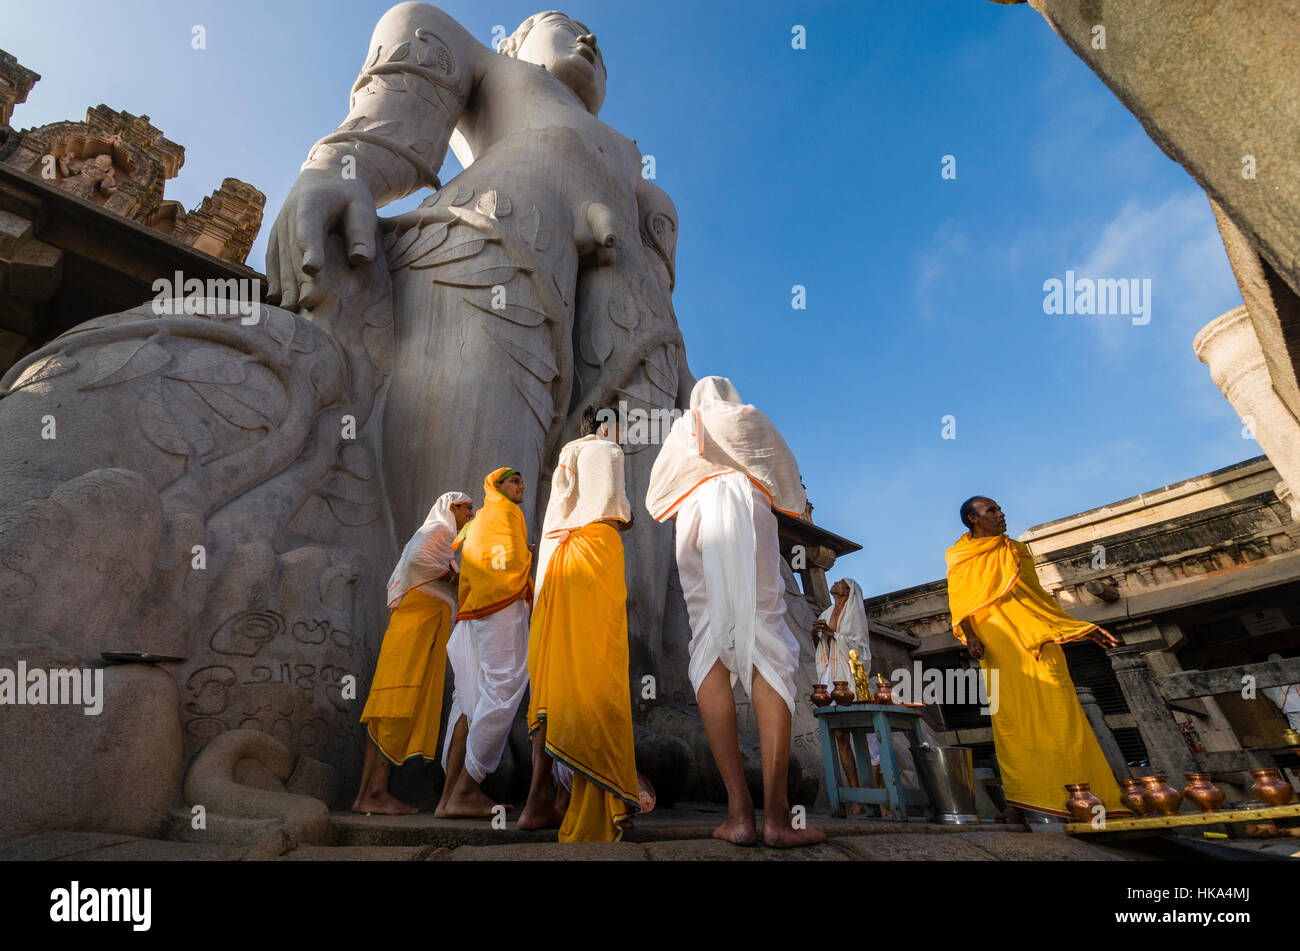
[
  {"x": 496, "y": 565},
  {"x": 578, "y": 667},
  {"x": 403, "y": 710},
  {"x": 1040, "y": 732}
]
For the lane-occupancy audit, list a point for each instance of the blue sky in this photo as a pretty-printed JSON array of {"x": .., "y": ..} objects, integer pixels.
[{"x": 819, "y": 167}]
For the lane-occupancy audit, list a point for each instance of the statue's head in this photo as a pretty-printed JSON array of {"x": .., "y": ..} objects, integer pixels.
[{"x": 566, "y": 49}]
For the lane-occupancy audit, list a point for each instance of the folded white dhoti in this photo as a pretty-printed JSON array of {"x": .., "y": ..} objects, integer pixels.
[
  {"x": 729, "y": 562},
  {"x": 488, "y": 657}
]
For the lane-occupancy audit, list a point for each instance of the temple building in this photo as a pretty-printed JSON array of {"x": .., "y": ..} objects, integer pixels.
[
  {"x": 85, "y": 228},
  {"x": 1200, "y": 580}
]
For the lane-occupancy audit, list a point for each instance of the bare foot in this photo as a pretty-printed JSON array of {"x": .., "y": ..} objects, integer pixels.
[
  {"x": 383, "y": 804},
  {"x": 738, "y": 830},
  {"x": 855, "y": 809},
  {"x": 540, "y": 818},
  {"x": 782, "y": 835},
  {"x": 471, "y": 805}
]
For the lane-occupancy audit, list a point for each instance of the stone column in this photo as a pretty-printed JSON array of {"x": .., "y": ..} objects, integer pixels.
[
  {"x": 1229, "y": 346},
  {"x": 1166, "y": 748},
  {"x": 1097, "y": 719}
]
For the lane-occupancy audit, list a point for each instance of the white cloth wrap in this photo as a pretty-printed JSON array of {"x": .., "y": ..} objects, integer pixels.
[
  {"x": 428, "y": 555},
  {"x": 719, "y": 435},
  {"x": 587, "y": 486},
  {"x": 729, "y": 563},
  {"x": 489, "y": 659},
  {"x": 851, "y": 634}
]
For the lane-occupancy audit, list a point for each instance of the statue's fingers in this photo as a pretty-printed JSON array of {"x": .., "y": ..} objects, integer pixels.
[
  {"x": 288, "y": 274},
  {"x": 359, "y": 232},
  {"x": 273, "y": 265}
]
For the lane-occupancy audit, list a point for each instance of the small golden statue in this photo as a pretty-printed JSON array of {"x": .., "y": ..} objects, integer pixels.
[{"x": 861, "y": 685}]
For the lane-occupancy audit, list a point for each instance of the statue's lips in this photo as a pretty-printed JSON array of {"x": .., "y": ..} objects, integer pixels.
[{"x": 586, "y": 52}]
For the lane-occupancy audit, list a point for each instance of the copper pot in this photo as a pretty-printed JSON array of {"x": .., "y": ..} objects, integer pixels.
[
  {"x": 1081, "y": 802},
  {"x": 1270, "y": 788},
  {"x": 884, "y": 691},
  {"x": 842, "y": 694},
  {"x": 1161, "y": 795},
  {"x": 820, "y": 696},
  {"x": 1201, "y": 791},
  {"x": 1134, "y": 799}
]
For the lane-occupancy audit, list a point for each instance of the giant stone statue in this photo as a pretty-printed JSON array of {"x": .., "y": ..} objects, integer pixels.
[{"x": 535, "y": 283}]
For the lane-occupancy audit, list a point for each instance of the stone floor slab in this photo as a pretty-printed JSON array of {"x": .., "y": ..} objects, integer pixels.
[
  {"x": 551, "y": 852},
  {"x": 910, "y": 847},
  {"x": 715, "y": 850},
  {"x": 57, "y": 845}
]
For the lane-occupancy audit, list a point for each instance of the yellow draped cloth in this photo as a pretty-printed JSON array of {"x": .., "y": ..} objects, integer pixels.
[
  {"x": 495, "y": 564},
  {"x": 1040, "y": 732},
  {"x": 404, "y": 708},
  {"x": 578, "y": 669}
]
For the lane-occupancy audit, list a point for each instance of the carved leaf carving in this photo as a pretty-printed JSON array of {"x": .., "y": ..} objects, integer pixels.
[
  {"x": 487, "y": 276},
  {"x": 622, "y": 308},
  {"x": 430, "y": 238},
  {"x": 352, "y": 501},
  {"x": 172, "y": 428},
  {"x": 399, "y": 52},
  {"x": 54, "y": 365},
  {"x": 280, "y": 327},
  {"x": 516, "y": 313},
  {"x": 493, "y": 205},
  {"x": 657, "y": 368},
  {"x": 384, "y": 128},
  {"x": 463, "y": 194},
  {"x": 351, "y": 124},
  {"x": 457, "y": 251},
  {"x": 125, "y": 360}
]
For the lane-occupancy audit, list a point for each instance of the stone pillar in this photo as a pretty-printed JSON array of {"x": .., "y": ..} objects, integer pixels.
[
  {"x": 1114, "y": 755},
  {"x": 1230, "y": 347},
  {"x": 1164, "y": 741}
]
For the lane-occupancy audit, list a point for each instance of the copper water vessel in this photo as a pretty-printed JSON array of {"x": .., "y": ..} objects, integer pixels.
[
  {"x": 820, "y": 696},
  {"x": 884, "y": 690},
  {"x": 1161, "y": 795},
  {"x": 1203, "y": 793},
  {"x": 1081, "y": 802},
  {"x": 1134, "y": 799},
  {"x": 842, "y": 694},
  {"x": 1270, "y": 788}
]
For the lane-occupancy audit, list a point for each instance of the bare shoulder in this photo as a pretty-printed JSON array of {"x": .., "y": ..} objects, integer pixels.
[{"x": 448, "y": 44}]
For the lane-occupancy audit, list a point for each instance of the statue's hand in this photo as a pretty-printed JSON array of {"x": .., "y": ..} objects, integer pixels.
[{"x": 295, "y": 253}]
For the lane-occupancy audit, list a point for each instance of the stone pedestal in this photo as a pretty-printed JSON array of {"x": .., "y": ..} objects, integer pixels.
[{"x": 1231, "y": 349}]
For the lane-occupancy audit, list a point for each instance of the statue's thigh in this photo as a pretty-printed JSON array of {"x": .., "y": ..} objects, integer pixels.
[{"x": 465, "y": 397}]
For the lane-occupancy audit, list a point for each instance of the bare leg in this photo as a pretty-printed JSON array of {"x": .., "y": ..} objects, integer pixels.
[
  {"x": 539, "y": 811},
  {"x": 850, "y": 770},
  {"x": 462, "y": 798},
  {"x": 718, "y": 711},
  {"x": 774, "y": 741},
  {"x": 455, "y": 764},
  {"x": 373, "y": 796}
]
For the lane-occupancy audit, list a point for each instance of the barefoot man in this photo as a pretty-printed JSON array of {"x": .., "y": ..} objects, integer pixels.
[
  {"x": 405, "y": 703},
  {"x": 721, "y": 471},
  {"x": 488, "y": 650},
  {"x": 1010, "y": 624},
  {"x": 580, "y": 711}
]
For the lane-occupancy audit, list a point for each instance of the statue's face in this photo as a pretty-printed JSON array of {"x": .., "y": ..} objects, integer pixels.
[{"x": 569, "y": 52}]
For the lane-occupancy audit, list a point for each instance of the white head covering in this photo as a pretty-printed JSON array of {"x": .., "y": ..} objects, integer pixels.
[
  {"x": 852, "y": 633},
  {"x": 587, "y": 486},
  {"x": 428, "y": 555},
  {"x": 721, "y": 434}
]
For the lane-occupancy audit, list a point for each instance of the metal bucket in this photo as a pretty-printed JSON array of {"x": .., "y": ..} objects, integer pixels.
[{"x": 948, "y": 775}]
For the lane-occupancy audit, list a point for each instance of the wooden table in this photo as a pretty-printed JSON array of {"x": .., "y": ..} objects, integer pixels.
[
  {"x": 859, "y": 720},
  {"x": 1151, "y": 824}
]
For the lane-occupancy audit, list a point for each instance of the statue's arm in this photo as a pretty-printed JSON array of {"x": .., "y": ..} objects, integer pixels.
[
  {"x": 419, "y": 71},
  {"x": 419, "y": 74}
]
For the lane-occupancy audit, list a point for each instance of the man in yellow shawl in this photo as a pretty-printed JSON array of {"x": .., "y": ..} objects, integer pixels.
[
  {"x": 404, "y": 707},
  {"x": 1006, "y": 619},
  {"x": 580, "y": 711},
  {"x": 488, "y": 650}
]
